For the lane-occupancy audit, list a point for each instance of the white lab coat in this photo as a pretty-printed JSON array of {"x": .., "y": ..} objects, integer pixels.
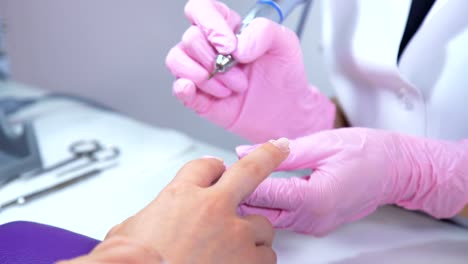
[{"x": 425, "y": 95}]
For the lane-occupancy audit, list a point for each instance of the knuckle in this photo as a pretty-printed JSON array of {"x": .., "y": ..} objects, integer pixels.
[
  {"x": 223, "y": 9},
  {"x": 209, "y": 210},
  {"x": 194, "y": 164},
  {"x": 242, "y": 229},
  {"x": 267, "y": 224},
  {"x": 191, "y": 34},
  {"x": 202, "y": 166},
  {"x": 210, "y": 162},
  {"x": 176, "y": 90},
  {"x": 188, "y": 7},
  {"x": 269, "y": 256},
  {"x": 176, "y": 188},
  {"x": 214, "y": 203},
  {"x": 228, "y": 14},
  {"x": 218, "y": 200},
  {"x": 260, "y": 220},
  {"x": 171, "y": 57},
  {"x": 192, "y": 8},
  {"x": 251, "y": 167},
  {"x": 120, "y": 228},
  {"x": 273, "y": 257},
  {"x": 114, "y": 230}
]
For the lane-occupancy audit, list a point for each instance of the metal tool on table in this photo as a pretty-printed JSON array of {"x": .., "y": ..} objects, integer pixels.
[
  {"x": 91, "y": 150},
  {"x": 275, "y": 10},
  {"x": 22, "y": 199},
  {"x": 94, "y": 151}
]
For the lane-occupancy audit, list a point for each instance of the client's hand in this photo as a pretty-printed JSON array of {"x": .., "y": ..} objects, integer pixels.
[{"x": 194, "y": 219}]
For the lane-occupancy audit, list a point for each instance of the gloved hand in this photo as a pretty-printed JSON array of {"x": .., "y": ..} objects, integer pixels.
[
  {"x": 355, "y": 171},
  {"x": 266, "y": 96}
]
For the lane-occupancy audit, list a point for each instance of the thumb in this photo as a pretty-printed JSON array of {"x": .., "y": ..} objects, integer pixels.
[
  {"x": 278, "y": 193},
  {"x": 305, "y": 153},
  {"x": 285, "y": 201},
  {"x": 265, "y": 36}
]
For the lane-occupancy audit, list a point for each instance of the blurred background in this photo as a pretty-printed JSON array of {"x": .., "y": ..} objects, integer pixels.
[{"x": 113, "y": 51}]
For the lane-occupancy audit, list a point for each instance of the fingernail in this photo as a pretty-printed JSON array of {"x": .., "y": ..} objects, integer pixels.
[
  {"x": 282, "y": 144},
  {"x": 211, "y": 157},
  {"x": 178, "y": 89}
]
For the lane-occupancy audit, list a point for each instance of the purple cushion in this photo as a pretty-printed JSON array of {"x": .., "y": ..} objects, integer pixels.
[{"x": 25, "y": 242}]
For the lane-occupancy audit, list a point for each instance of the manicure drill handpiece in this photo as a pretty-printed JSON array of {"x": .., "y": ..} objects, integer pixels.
[{"x": 275, "y": 10}]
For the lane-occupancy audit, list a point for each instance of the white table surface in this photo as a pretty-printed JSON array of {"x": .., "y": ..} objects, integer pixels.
[{"x": 150, "y": 158}]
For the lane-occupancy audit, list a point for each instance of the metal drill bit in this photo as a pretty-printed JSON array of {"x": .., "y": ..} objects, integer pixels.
[
  {"x": 222, "y": 64},
  {"x": 213, "y": 74}
]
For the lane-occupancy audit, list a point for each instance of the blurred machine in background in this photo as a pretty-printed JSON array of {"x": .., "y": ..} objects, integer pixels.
[
  {"x": 4, "y": 65},
  {"x": 18, "y": 146}
]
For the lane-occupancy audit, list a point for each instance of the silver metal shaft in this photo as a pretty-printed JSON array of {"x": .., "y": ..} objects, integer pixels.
[
  {"x": 275, "y": 10},
  {"x": 225, "y": 62}
]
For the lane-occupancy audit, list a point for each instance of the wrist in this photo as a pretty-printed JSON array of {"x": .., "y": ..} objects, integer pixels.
[
  {"x": 340, "y": 118},
  {"x": 435, "y": 179}
]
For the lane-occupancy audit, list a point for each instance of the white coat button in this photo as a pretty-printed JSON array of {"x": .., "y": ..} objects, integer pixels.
[
  {"x": 408, "y": 104},
  {"x": 401, "y": 93},
  {"x": 403, "y": 97}
]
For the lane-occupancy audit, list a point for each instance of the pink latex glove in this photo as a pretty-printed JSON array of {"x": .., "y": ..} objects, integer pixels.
[
  {"x": 357, "y": 170},
  {"x": 266, "y": 96}
]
